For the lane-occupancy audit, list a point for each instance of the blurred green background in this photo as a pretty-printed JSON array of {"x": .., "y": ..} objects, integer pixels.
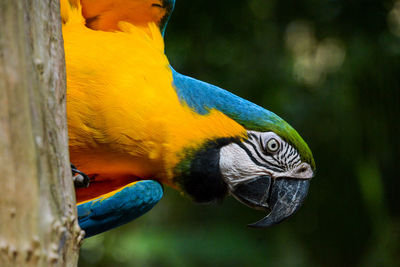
[{"x": 331, "y": 68}]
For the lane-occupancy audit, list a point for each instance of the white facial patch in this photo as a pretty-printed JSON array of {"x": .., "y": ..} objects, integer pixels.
[
  {"x": 236, "y": 166},
  {"x": 263, "y": 153}
]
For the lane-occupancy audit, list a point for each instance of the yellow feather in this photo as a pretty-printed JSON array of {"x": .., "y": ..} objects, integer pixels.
[{"x": 124, "y": 116}]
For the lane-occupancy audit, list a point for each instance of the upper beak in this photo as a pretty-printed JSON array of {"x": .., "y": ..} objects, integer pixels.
[{"x": 283, "y": 196}]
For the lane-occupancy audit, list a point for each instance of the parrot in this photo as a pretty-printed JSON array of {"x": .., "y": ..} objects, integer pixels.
[{"x": 135, "y": 125}]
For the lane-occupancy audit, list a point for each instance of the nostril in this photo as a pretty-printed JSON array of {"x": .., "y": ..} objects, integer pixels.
[{"x": 302, "y": 169}]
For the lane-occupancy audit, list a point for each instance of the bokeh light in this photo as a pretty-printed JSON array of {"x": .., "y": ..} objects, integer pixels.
[
  {"x": 313, "y": 59},
  {"x": 394, "y": 19}
]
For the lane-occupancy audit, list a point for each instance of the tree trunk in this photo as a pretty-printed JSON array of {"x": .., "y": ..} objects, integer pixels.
[{"x": 38, "y": 225}]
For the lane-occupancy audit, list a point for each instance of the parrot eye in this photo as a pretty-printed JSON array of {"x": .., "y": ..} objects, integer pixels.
[{"x": 272, "y": 145}]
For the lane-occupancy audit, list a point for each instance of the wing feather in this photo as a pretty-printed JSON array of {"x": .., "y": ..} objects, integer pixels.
[{"x": 119, "y": 207}]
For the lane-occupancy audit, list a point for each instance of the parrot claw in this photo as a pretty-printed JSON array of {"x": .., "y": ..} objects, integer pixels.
[{"x": 81, "y": 180}]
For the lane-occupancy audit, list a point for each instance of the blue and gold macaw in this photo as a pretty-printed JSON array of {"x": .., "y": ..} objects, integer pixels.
[{"x": 135, "y": 123}]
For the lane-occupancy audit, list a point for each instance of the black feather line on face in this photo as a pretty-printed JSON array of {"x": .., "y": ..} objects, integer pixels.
[{"x": 201, "y": 177}]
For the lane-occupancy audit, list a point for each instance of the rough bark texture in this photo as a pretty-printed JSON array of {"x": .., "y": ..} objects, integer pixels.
[{"x": 38, "y": 225}]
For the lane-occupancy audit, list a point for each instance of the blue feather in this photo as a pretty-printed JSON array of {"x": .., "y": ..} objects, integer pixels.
[
  {"x": 202, "y": 97},
  {"x": 102, "y": 214}
]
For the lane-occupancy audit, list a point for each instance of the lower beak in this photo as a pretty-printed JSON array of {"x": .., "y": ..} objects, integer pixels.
[{"x": 283, "y": 196}]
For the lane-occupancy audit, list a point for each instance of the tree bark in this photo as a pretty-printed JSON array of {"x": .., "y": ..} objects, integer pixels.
[{"x": 38, "y": 225}]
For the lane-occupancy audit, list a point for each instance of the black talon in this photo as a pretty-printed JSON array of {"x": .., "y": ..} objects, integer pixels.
[{"x": 81, "y": 180}]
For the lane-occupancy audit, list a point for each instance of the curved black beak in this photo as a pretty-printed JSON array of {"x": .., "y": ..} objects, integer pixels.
[{"x": 283, "y": 196}]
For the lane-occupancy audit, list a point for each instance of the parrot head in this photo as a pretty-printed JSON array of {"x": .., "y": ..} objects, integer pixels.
[
  {"x": 266, "y": 172},
  {"x": 268, "y": 167}
]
